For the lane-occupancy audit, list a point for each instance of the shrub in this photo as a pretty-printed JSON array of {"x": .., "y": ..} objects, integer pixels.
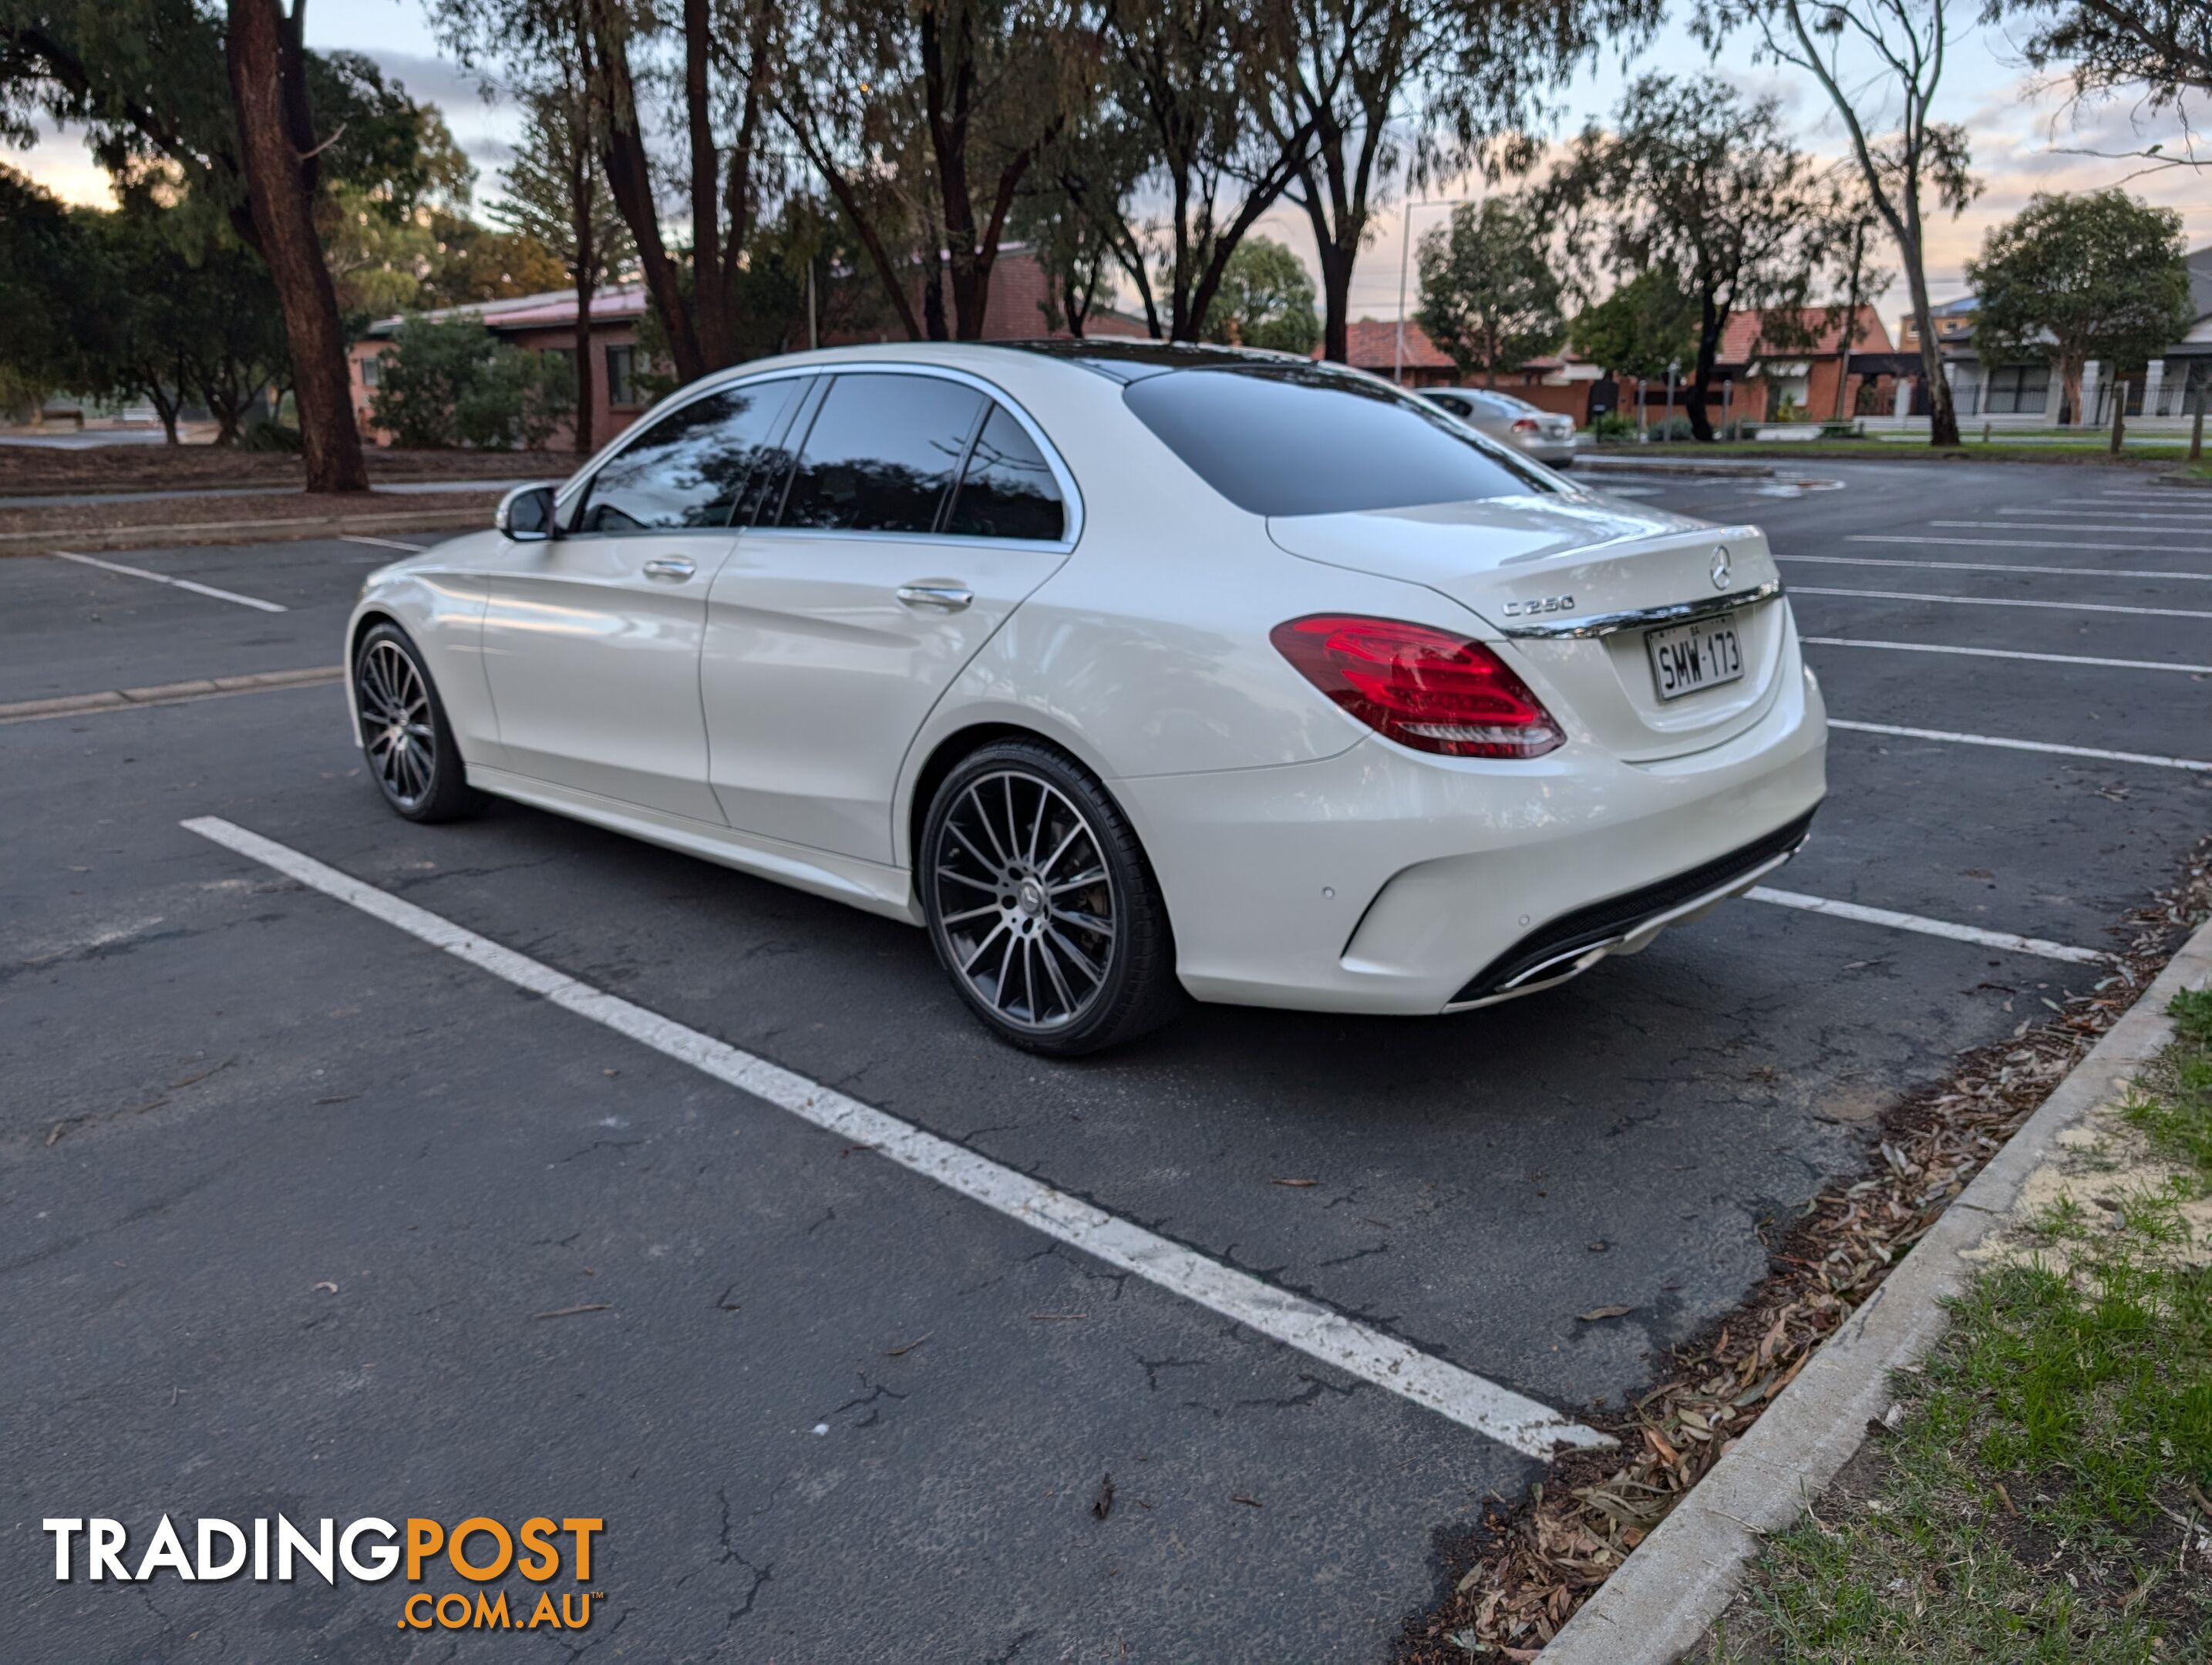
[
  {"x": 453, "y": 383},
  {"x": 1613, "y": 425}
]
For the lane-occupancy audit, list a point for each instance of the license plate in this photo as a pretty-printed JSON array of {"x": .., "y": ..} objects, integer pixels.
[{"x": 1686, "y": 658}]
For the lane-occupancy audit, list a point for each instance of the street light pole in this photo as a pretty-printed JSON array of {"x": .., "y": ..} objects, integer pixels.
[{"x": 1405, "y": 258}]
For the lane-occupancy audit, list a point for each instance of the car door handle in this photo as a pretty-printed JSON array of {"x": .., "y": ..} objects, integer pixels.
[
  {"x": 672, "y": 570},
  {"x": 946, "y": 598}
]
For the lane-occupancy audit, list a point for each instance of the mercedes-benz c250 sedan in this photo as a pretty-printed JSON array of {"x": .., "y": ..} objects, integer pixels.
[{"x": 1131, "y": 672}]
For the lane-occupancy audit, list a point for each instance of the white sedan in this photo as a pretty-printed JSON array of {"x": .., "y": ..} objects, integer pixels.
[{"x": 1129, "y": 671}]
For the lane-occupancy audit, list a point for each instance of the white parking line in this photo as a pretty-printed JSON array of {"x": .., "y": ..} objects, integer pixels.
[
  {"x": 1930, "y": 927},
  {"x": 2203, "y": 530},
  {"x": 2008, "y": 601},
  {"x": 173, "y": 583},
  {"x": 382, "y": 542},
  {"x": 2057, "y": 506},
  {"x": 2096, "y": 753},
  {"x": 2010, "y": 653},
  {"x": 1458, "y": 1395},
  {"x": 1994, "y": 566},
  {"x": 2017, "y": 542}
]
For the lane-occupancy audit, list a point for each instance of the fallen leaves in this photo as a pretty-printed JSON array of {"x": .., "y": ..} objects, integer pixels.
[
  {"x": 570, "y": 1312},
  {"x": 906, "y": 1348},
  {"x": 327, "y": 1284},
  {"x": 1296, "y": 1184},
  {"x": 1540, "y": 1559},
  {"x": 1102, "y": 1502}
]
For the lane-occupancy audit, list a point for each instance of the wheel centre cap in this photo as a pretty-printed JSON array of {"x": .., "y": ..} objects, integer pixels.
[{"x": 1032, "y": 897}]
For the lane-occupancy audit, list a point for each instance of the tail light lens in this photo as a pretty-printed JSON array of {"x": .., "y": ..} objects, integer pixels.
[
  {"x": 1526, "y": 425},
  {"x": 1425, "y": 689}
]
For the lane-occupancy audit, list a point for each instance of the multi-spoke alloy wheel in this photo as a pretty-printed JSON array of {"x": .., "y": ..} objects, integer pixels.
[
  {"x": 396, "y": 731},
  {"x": 1041, "y": 905},
  {"x": 403, "y": 733},
  {"x": 1025, "y": 899}
]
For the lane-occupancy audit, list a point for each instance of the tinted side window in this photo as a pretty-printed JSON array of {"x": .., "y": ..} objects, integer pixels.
[
  {"x": 1310, "y": 440},
  {"x": 690, "y": 467},
  {"x": 1007, "y": 490},
  {"x": 881, "y": 453}
]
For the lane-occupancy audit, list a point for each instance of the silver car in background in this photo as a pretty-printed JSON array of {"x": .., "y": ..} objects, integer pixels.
[{"x": 1547, "y": 437}]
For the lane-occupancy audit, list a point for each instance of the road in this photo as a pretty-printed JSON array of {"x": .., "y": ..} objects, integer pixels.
[{"x": 287, "y": 1195}]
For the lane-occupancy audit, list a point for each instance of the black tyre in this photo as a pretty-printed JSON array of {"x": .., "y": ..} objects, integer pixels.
[
  {"x": 1041, "y": 907},
  {"x": 404, "y": 738}
]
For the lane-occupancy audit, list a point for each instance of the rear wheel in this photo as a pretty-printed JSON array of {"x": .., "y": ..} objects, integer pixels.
[
  {"x": 1041, "y": 907},
  {"x": 405, "y": 737}
]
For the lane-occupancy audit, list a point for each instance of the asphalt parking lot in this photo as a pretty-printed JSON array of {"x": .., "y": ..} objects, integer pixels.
[{"x": 300, "y": 1214}]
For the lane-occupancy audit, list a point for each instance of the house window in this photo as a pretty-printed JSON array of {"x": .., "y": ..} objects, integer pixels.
[
  {"x": 621, "y": 371},
  {"x": 370, "y": 369},
  {"x": 2018, "y": 390}
]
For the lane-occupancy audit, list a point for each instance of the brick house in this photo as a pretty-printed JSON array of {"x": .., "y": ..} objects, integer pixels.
[{"x": 547, "y": 323}]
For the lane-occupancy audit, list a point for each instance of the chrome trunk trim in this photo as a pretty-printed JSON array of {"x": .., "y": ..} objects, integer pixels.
[{"x": 1679, "y": 613}]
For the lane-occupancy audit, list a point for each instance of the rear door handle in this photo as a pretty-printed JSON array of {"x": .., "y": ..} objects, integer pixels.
[
  {"x": 944, "y": 597},
  {"x": 671, "y": 570}
]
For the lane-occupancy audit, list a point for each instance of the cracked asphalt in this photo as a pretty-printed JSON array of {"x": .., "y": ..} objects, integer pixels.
[{"x": 827, "y": 1409}]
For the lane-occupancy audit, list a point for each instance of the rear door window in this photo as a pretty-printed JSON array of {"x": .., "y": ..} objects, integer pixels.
[
  {"x": 695, "y": 466},
  {"x": 1007, "y": 489},
  {"x": 1312, "y": 440},
  {"x": 882, "y": 453}
]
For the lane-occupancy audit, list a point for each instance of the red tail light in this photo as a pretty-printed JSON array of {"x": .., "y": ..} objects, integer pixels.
[
  {"x": 1422, "y": 687},
  {"x": 1525, "y": 425}
]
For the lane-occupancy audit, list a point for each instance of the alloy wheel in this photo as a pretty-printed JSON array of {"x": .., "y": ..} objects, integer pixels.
[
  {"x": 396, "y": 731},
  {"x": 1024, "y": 900}
]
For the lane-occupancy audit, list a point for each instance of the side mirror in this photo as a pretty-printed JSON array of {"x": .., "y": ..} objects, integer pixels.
[{"x": 526, "y": 514}]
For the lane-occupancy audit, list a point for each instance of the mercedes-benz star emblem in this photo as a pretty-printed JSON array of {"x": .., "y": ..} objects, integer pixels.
[{"x": 1720, "y": 573}]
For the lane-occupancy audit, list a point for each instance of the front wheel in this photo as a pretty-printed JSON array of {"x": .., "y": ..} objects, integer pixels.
[
  {"x": 1041, "y": 907},
  {"x": 405, "y": 735}
]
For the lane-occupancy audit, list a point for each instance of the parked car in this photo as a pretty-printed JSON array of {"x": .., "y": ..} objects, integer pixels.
[
  {"x": 1543, "y": 434},
  {"x": 1129, "y": 671}
]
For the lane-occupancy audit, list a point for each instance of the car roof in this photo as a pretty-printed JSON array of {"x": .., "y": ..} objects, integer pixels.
[{"x": 1132, "y": 358}]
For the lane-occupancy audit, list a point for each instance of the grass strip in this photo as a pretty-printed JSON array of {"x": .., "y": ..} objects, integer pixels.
[{"x": 2043, "y": 1492}]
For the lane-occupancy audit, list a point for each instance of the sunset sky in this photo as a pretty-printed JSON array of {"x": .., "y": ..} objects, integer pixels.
[{"x": 2019, "y": 134}]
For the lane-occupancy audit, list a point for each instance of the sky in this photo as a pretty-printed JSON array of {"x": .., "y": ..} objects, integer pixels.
[{"x": 2020, "y": 135}]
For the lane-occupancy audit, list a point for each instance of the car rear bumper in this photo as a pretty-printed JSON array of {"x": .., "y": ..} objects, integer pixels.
[{"x": 1384, "y": 881}]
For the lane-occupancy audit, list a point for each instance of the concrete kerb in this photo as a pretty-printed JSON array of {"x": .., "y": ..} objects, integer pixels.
[
  {"x": 172, "y": 693},
  {"x": 1667, "y": 1593},
  {"x": 1707, "y": 471},
  {"x": 173, "y": 534}
]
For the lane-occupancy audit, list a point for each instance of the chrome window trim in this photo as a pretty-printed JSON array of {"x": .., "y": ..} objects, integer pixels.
[
  {"x": 1071, "y": 494},
  {"x": 1606, "y": 624}
]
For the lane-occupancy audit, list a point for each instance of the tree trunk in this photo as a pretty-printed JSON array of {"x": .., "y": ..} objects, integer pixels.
[
  {"x": 2069, "y": 390},
  {"x": 269, "y": 95},
  {"x": 587, "y": 386},
  {"x": 1714, "y": 319},
  {"x": 1336, "y": 297},
  {"x": 710, "y": 313},
  {"x": 630, "y": 178}
]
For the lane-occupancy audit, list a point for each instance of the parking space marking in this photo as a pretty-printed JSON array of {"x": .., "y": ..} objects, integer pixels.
[
  {"x": 2019, "y": 543},
  {"x": 382, "y": 542},
  {"x": 2008, "y": 653},
  {"x": 1463, "y": 1397},
  {"x": 173, "y": 583},
  {"x": 2096, "y": 753},
  {"x": 1993, "y": 567},
  {"x": 1930, "y": 927},
  {"x": 2008, "y": 601},
  {"x": 2195, "y": 531}
]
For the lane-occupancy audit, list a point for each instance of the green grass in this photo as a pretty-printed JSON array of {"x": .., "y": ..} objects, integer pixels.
[{"x": 2036, "y": 1501}]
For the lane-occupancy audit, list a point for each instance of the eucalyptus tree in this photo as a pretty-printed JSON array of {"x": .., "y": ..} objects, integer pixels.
[
  {"x": 713, "y": 61},
  {"x": 1880, "y": 63},
  {"x": 1393, "y": 91},
  {"x": 924, "y": 120},
  {"x": 2160, "y": 50},
  {"x": 229, "y": 96},
  {"x": 555, "y": 190},
  {"x": 1695, "y": 179}
]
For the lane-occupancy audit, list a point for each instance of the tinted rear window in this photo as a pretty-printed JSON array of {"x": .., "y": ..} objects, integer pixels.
[{"x": 1306, "y": 439}]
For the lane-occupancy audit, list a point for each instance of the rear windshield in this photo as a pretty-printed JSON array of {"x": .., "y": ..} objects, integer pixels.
[{"x": 1296, "y": 439}]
